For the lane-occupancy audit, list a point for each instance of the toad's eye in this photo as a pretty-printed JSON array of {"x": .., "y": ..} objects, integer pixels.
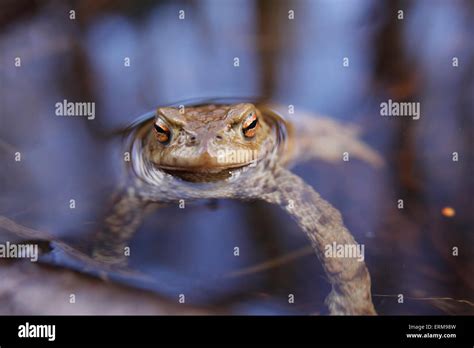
[
  {"x": 162, "y": 131},
  {"x": 249, "y": 126}
]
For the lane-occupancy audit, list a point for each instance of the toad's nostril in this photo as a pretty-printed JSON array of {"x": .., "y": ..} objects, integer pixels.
[
  {"x": 219, "y": 137},
  {"x": 192, "y": 138}
]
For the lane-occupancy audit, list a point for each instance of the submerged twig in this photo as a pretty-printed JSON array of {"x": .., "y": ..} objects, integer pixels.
[{"x": 278, "y": 261}]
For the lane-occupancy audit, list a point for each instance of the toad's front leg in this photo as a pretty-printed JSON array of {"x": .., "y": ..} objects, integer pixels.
[
  {"x": 120, "y": 224},
  {"x": 323, "y": 225}
]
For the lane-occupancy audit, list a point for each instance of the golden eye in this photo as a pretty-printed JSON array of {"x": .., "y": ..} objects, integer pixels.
[
  {"x": 162, "y": 131},
  {"x": 249, "y": 126}
]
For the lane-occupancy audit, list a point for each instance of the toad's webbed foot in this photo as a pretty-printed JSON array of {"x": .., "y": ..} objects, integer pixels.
[
  {"x": 316, "y": 137},
  {"x": 323, "y": 225},
  {"x": 326, "y": 139}
]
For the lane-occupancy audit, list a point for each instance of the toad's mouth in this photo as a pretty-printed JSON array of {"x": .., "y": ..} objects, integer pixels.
[
  {"x": 207, "y": 169},
  {"x": 205, "y": 174},
  {"x": 210, "y": 162}
]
